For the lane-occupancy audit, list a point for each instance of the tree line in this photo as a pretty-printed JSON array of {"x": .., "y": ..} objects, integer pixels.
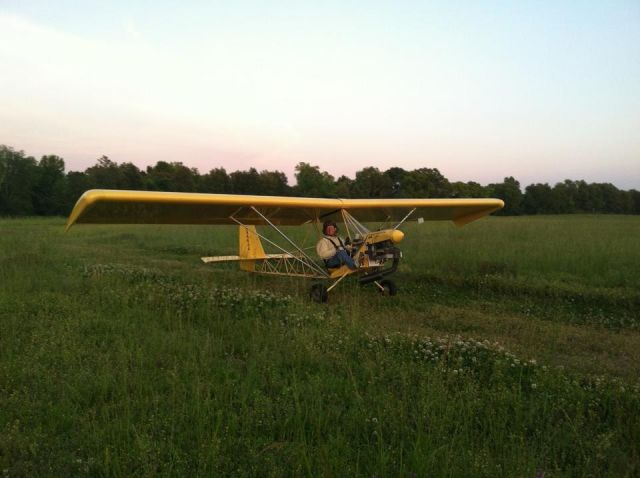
[{"x": 44, "y": 187}]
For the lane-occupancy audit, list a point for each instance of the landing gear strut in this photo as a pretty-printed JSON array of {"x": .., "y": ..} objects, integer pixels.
[
  {"x": 319, "y": 293},
  {"x": 386, "y": 287}
]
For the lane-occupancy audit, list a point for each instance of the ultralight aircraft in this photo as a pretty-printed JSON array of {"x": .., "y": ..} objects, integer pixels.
[{"x": 375, "y": 252}]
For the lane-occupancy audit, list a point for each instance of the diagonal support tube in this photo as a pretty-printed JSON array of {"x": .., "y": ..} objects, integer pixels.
[
  {"x": 404, "y": 219},
  {"x": 338, "y": 281},
  {"x": 312, "y": 263},
  {"x": 350, "y": 220},
  {"x": 304, "y": 263}
]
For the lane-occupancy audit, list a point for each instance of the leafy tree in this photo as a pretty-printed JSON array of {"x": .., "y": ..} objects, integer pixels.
[
  {"x": 509, "y": 191},
  {"x": 184, "y": 179},
  {"x": 565, "y": 196},
  {"x": 581, "y": 198},
  {"x": 397, "y": 177},
  {"x": 538, "y": 199},
  {"x": 635, "y": 201},
  {"x": 131, "y": 177},
  {"x": 595, "y": 198},
  {"x": 246, "y": 182},
  {"x": 215, "y": 181},
  {"x": 105, "y": 174},
  {"x": 77, "y": 183},
  {"x": 372, "y": 183},
  {"x": 108, "y": 174},
  {"x": 469, "y": 189},
  {"x": 615, "y": 201},
  {"x": 173, "y": 176},
  {"x": 426, "y": 183},
  {"x": 49, "y": 187},
  {"x": 30, "y": 187},
  {"x": 18, "y": 175},
  {"x": 312, "y": 182},
  {"x": 274, "y": 183},
  {"x": 344, "y": 185}
]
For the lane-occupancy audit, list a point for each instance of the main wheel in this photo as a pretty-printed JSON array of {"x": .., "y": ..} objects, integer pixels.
[
  {"x": 388, "y": 287},
  {"x": 319, "y": 293}
]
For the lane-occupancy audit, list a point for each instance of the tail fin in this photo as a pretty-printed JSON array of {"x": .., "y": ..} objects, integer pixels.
[{"x": 249, "y": 247}]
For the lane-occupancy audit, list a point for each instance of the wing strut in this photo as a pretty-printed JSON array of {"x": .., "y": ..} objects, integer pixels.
[
  {"x": 311, "y": 263},
  {"x": 404, "y": 219},
  {"x": 352, "y": 222},
  {"x": 302, "y": 257}
]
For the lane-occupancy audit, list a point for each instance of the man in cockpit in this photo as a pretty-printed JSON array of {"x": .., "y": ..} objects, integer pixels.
[{"x": 331, "y": 248}]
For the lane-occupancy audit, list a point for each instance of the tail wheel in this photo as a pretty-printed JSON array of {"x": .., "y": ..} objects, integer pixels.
[
  {"x": 388, "y": 287},
  {"x": 319, "y": 293}
]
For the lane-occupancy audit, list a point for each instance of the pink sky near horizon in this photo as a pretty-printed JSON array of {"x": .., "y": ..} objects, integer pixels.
[{"x": 81, "y": 159}]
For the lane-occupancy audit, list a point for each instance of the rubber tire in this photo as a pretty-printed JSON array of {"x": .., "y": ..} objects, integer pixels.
[
  {"x": 389, "y": 286},
  {"x": 319, "y": 293}
]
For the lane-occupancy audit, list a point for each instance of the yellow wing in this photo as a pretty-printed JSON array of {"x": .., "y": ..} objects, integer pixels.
[
  {"x": 102, "y": 206},
  {"x": 460, "y": 211}
]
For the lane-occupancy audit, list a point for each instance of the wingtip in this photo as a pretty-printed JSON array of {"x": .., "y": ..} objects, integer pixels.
[
  {"x": 464, "y": 220},
  {"x": 84, "y": 201}
]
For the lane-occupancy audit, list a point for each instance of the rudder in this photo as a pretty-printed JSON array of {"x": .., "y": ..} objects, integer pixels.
[{"x": 249, "y": 247}]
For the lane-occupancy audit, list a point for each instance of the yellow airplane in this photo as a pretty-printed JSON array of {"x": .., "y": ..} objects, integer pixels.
[{"x": 375, "y": 252}]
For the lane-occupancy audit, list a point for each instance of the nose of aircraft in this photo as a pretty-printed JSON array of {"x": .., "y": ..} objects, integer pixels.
[{"x": 397, "y": 236}]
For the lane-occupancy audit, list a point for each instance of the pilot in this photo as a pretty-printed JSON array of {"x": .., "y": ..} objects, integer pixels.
[{"x": 331, "y": 249}]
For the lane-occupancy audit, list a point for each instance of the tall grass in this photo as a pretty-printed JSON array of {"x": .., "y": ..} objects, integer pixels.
[
  {"x": 591, "y": 250},
  {"x": 121, "y": 355}
]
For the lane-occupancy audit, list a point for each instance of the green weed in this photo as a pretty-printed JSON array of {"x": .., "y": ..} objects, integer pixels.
[{"x": 509, "y": 351}]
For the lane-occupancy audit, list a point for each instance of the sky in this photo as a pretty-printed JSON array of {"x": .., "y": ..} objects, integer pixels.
[{"x": 539, "y": 90}]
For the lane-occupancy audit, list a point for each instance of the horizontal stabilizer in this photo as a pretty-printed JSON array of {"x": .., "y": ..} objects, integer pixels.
[{"x": 208, "y": 260}]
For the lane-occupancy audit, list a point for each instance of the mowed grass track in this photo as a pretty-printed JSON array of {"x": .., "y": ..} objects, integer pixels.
[{"x": 512, "y": 349}]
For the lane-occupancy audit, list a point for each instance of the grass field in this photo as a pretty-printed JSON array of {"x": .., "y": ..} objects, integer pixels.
[{"x": 512, "y": 349}]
